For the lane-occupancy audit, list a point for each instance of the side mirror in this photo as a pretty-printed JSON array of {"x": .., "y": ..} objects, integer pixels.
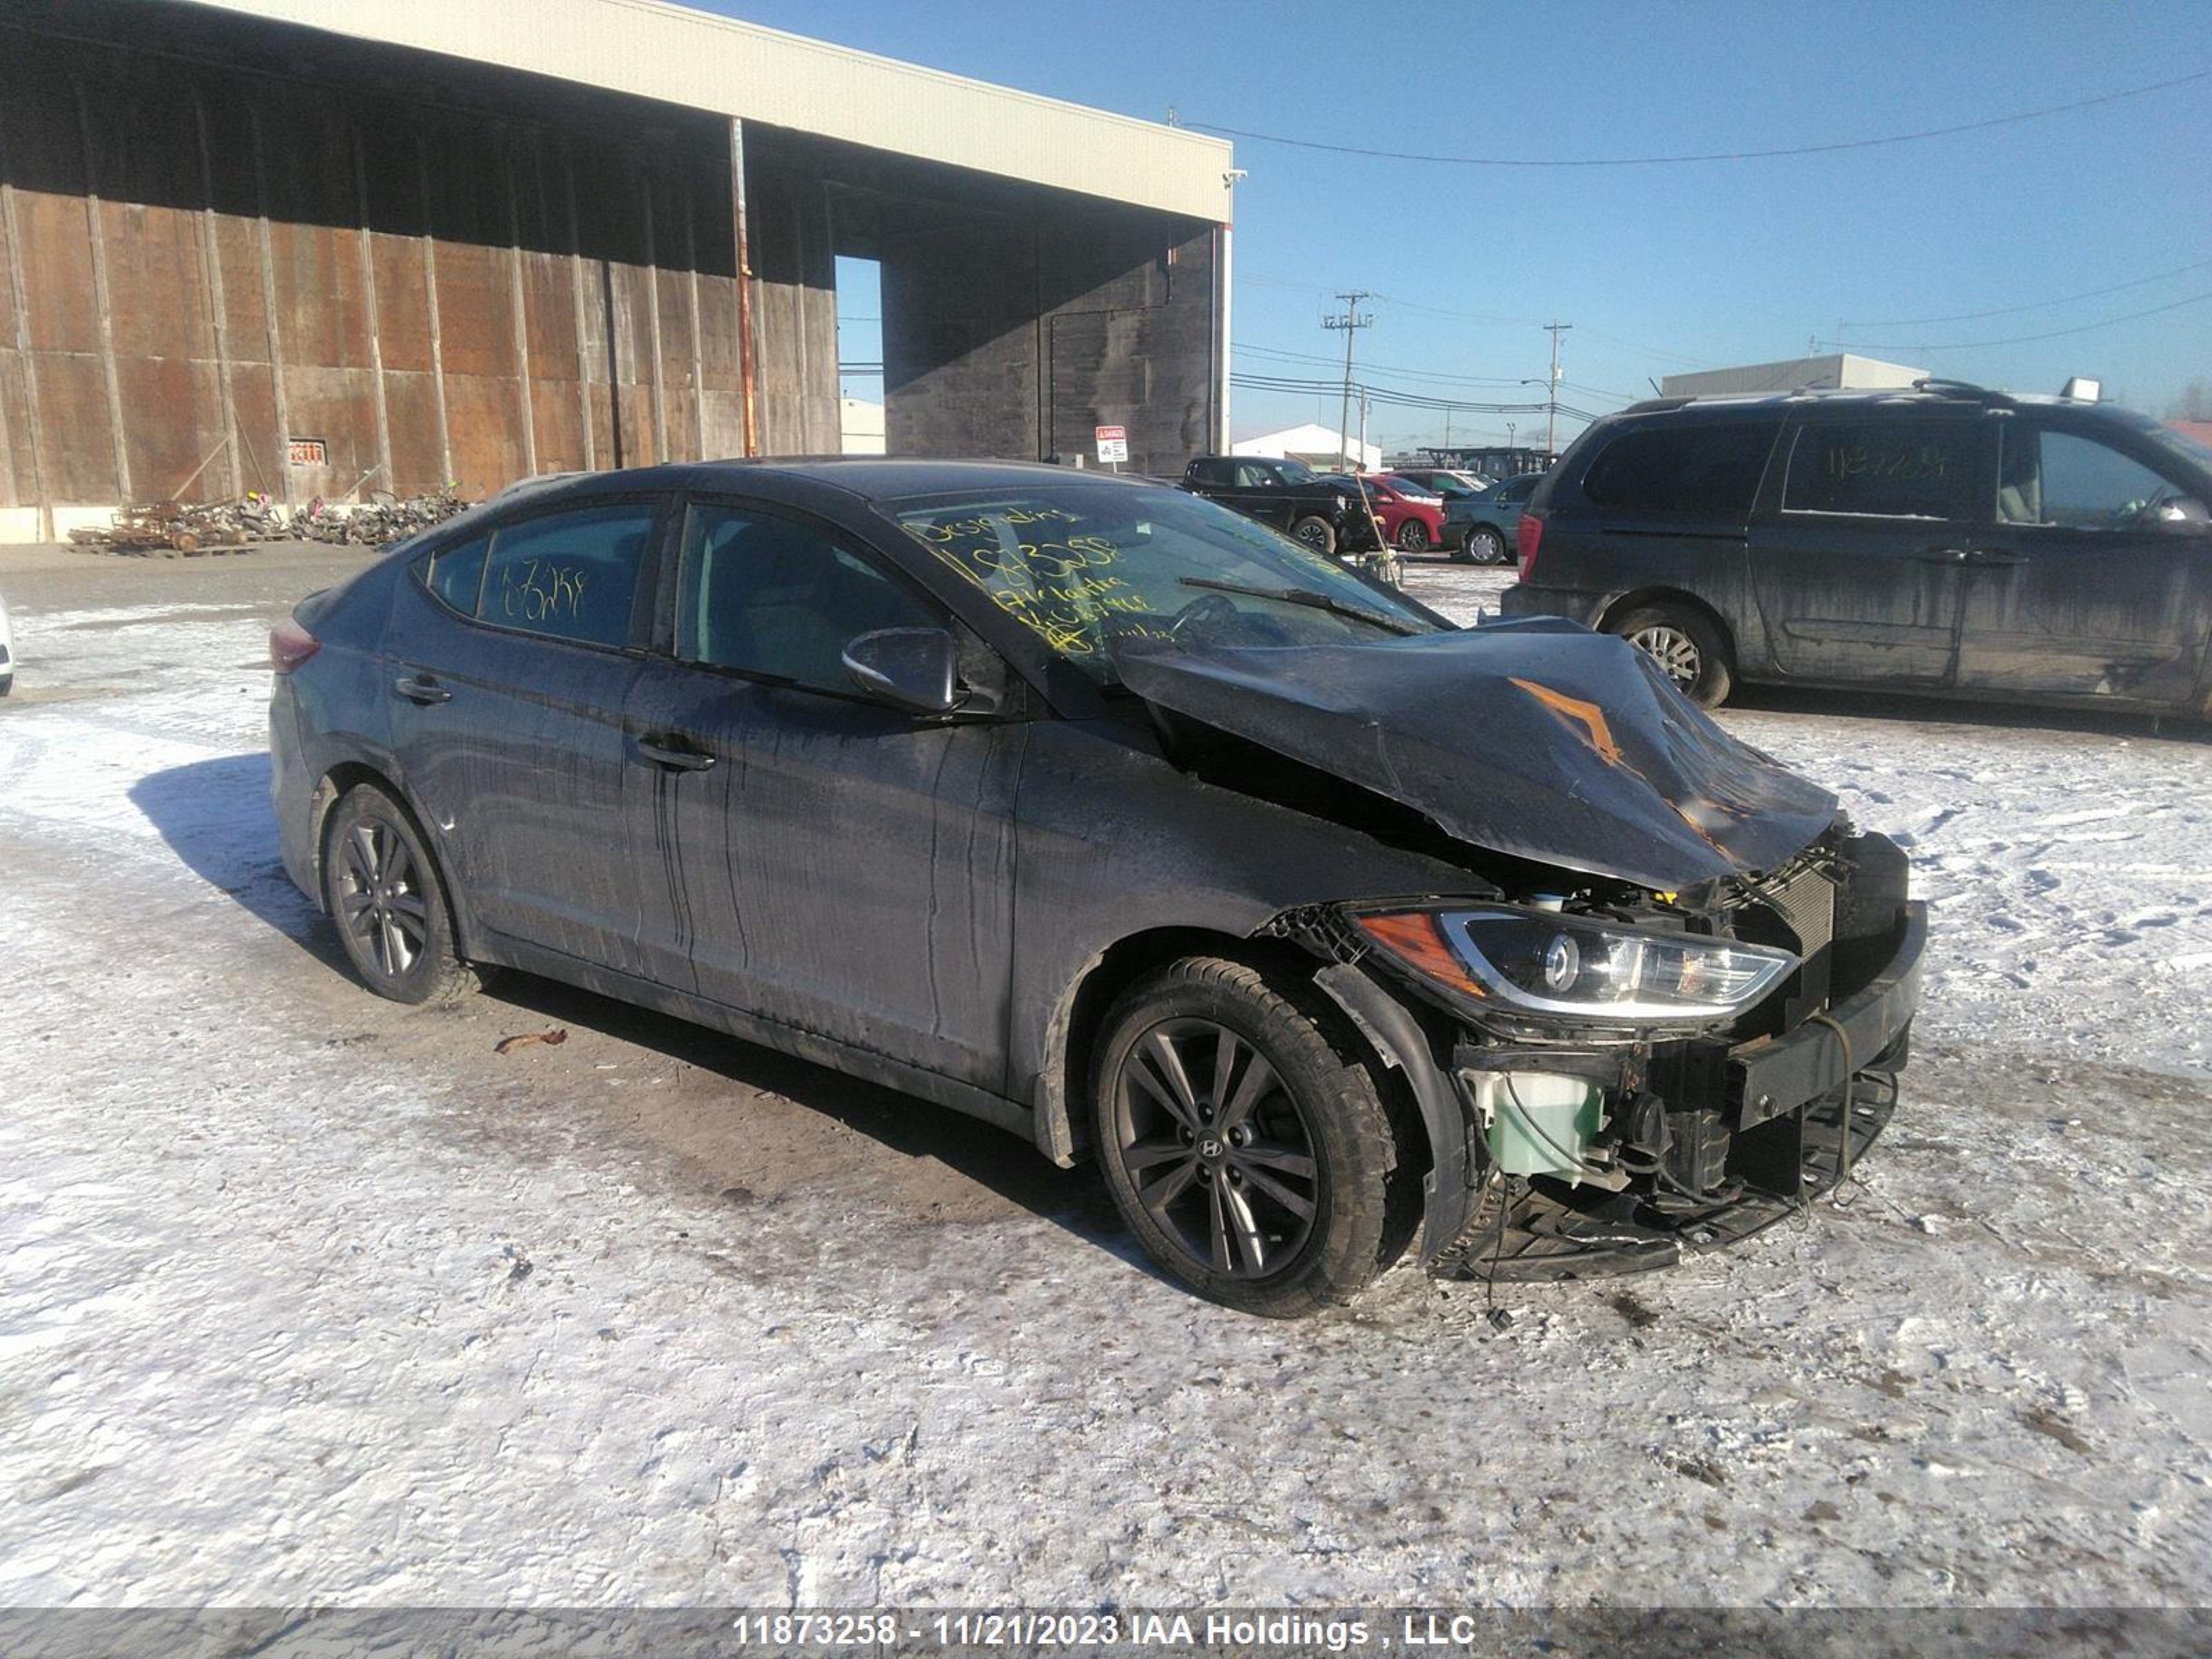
[
  {"x": 916, "y": 669},
  {"x": 2183, "y": 513}
]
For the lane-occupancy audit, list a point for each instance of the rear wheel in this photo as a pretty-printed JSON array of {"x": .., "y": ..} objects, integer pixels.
[
  {"x": 383, "y": 891},
  {"x": 1413, "y": 536},
  {"x": 1686, "y": 645},
  {"x": 1315, "y": 533},
  {"x": 1244, "y": 1141}
]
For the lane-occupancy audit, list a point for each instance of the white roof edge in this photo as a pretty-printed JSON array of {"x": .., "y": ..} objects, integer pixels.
[{"x": 653, "y": 49}]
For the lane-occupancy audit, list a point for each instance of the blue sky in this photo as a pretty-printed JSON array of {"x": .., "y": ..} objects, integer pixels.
[{"x": 1658, "y": 268}]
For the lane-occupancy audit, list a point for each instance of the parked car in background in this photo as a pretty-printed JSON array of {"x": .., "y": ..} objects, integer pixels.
[
  {"x": 1946, "y": 540},
  {"x": 1450, "y": 482},
  {"x": 1411, "y": 519},
  {"x": 1287, "y": 495},
  {"x": 7, "y": 652},
  {"x": 1042, "y": 796},
  {"x": 1482, "y": 527}
]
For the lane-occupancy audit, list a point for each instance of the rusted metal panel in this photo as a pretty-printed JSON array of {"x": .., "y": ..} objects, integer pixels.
[
  {"x": 254, "y": 398},
  {"x": 166, "y": 452},
  {"x": 488, "y": 453},
  {"x": 76, "y": 451},
  {"x": 558, "y": 424},
  {"x": 338, "y": 405},
  {"x": 418, "y": 461}
]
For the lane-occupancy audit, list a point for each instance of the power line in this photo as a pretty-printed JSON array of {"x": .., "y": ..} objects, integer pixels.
[
  {"x": 2032, "y": 305},
  {"x": 1276, "y": 354},
  {"x": 2023, "y": 340},
  {"x": 1717, "y": 155}
]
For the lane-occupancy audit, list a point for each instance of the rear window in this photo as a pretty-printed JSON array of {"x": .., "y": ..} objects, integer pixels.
[
  {"x": 1888, "y": 469},
  {"x": 571, "y": 575},
  {"x": 1705, "y": 470}
]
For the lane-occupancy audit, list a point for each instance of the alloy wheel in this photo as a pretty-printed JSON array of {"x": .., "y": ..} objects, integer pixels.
[
  {"x": 1216, "y": 1148},
  {"x": 1672, "y": 650},
  {"x": 381, "y": 899},
  {"x": 1314, "y": 534}
]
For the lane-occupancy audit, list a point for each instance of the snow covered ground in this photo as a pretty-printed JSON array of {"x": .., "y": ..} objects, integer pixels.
[{"x": 305, "y": 1297}]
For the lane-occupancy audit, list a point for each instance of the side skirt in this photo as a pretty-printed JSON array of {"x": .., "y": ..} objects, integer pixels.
[{"x": 497, "y": 949}]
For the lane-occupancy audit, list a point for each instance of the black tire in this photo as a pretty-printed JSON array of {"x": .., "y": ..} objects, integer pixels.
[
  {"x": 1413, "y": 536},
  {"x": 382, "y": 888},
  {"x": 1315, "y": 533},
  {"x": 1484, "y": 544},
  {"x": 1684, "y": 643},
  {"x": 1222, "y": 1214}
]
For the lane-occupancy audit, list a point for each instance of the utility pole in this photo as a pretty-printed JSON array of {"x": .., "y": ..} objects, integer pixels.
[
  {"x": 1551, "y": 417},
  {"x": 1362, "y": 427},
  {"x": 1352, "y": 319}
]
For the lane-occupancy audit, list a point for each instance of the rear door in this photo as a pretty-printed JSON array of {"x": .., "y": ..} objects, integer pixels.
[
  {"x": 2078, "y": 590},
  {"x": 510, "y": 657},
  {"x": 1859, "y": 569},
  {"x": 815, "y": 858}
]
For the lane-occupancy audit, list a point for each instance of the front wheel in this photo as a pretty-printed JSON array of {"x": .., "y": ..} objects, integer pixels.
[
  {"x": 1686, "y": 646},
  {"x": 384, "y": 892},
  {"x": 1413, "y": 536},
  {"x": 1315, "y": 533},
  {"x": 1245, "y": 1141},
  {"x": 1486, "y": 544}
]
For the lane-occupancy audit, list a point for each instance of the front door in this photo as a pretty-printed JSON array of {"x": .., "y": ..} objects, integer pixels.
[
  {"x": 2079, "y": 589},
  {"x": 840, "y": 868},
  {"x": 1857, "y": 566},
  {"x": 509, "y": 658}
]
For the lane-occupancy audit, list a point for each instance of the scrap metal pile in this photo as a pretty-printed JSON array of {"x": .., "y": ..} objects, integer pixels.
[{"x": 167, "y": 528}]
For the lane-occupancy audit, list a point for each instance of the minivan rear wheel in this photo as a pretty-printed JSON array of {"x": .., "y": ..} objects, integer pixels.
[
  {"x": 1245, "y": 1141},
  {"x": 1315, "y": 533},
  {"x": 382, "y": 888},
  {"x": 1686, "y": 646}
]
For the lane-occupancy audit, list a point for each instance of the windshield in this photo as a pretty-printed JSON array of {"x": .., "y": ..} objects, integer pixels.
[
  {"x": 1081, "y": 565},
  {"x": 1294, "y": 472},
  {"x": 2173, "y": 443}
]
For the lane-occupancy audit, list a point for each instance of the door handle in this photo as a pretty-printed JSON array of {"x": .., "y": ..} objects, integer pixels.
[
  {"x": 675, "y": 759},
  {"x": 421, "y": 688},
  {"x": 1942, "y": 555},
  {"x": 1986, "y": 556}
]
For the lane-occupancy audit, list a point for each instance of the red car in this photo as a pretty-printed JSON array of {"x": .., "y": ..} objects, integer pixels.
[{"x": 1412, "y": 518}]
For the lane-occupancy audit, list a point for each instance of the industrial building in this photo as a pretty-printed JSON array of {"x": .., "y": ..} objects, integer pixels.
[
  {"x": 320, "y": 249},
  {"x": 1841, "y": 371}
]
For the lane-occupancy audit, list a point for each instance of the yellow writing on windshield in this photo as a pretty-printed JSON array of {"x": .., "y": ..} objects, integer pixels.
[{"x": 1060, "y": 585}]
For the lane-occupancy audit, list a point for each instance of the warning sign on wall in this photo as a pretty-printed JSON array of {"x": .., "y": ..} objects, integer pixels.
[
  {"x": 307, "y": 452},
  {"x": 1112, "y": 445}
]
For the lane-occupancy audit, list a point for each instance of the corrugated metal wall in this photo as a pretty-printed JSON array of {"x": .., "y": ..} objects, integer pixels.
[{"x": 197, "y": 262}]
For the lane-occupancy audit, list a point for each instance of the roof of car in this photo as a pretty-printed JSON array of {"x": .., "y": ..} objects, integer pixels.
[
  {"x": 873, "y": 477},
  {"x": 1930, "y": 391}
]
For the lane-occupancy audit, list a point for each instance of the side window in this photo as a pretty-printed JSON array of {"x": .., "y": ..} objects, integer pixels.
[
  {"x": 1210, "y": 472},
  {"x": 1708, "y": 470},
  {"x": 1252, "y": 475},
  {"x": 569, "y": 575},
  {"x": 1914, "y": 469},
  {"x": 772, "y": 597},
  {"x": 455, "y": 574},
  {"x": 2058, "y": 478}
]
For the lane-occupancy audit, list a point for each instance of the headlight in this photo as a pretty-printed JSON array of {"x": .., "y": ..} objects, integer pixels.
[{"x": 1539, "y": 962}]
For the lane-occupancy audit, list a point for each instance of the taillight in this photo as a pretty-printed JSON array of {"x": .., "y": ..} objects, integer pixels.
[
  {"x": 290, "y": 644},
  {"x": 1526, "y": 539}
]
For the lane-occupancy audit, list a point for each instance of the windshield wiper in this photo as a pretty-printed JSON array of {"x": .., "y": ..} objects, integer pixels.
[{"x": 1307, "y": 596}]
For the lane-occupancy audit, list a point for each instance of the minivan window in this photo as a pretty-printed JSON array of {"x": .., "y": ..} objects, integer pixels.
[
  {"x": 569, "y": 575},
  {"x": 1888, "y": 469},
  {"x": 2061, "y": 478},
  {"x": 775, "y": 598},
  {"x": 1710, "y": 471}
]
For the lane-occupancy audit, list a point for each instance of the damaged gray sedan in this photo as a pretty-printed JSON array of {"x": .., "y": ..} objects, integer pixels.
[{"x": 1088, "y": 808}]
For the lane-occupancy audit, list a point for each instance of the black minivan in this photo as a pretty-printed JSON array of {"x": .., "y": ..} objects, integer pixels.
[{"x": 1943, "y": 539}]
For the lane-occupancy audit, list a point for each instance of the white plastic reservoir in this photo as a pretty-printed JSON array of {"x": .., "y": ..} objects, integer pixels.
[{"x": 1541, "y": 1123}]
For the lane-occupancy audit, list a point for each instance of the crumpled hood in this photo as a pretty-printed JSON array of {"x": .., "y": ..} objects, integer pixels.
[{"x": 1536, "y": 738}]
